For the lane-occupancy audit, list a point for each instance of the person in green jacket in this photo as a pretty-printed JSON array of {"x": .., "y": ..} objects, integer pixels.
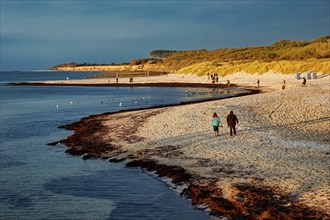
[{"x": 216, "y": 123}]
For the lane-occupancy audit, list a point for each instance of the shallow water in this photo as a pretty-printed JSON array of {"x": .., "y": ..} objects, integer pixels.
[{"x": 42, "y": 182}]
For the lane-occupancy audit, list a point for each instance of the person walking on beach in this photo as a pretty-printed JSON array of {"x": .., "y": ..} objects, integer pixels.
[
  {"x": 117, "y": 77},
  {"x": 258, "y": 82},
  {"x": 283, "y": 84},
  {"x": 228, "y": 82},
  {"x": 304, "y": 81},
  {"x": 231, "y": 122},
  {"x": 215, "y": 124}
]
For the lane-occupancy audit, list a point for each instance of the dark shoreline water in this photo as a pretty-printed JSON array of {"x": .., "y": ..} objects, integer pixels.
[
  {"x": 241, "y": 90},
  {"x": 159, "y": 84}
]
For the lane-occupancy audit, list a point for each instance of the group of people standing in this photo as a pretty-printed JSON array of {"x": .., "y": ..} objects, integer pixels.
[
  {"x": 214, "y": 77},
  {"x": 231, "y": 122}
]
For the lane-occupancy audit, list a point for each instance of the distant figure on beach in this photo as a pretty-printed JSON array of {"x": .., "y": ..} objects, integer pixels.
[
  {"x": 283, "y": 84},
  {"x": 228, "y": 82},
  {"x": 216, "y": 78},
  {"x": 304, "y": 81},
  {"x": 215, "y": 124},
  {"x": 131, "y": 79},
  {"x": 208, "y": 75},
  {"x": 258, "y": 82},
  {"x": 231, "y": 122},
  {"x": 117, "y": 79}
]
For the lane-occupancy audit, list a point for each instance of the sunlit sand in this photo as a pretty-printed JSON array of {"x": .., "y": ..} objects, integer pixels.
[{"x": 282, "y": 137}]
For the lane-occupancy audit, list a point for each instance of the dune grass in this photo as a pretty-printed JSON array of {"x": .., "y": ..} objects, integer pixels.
[{"x": 257, "y": 67}]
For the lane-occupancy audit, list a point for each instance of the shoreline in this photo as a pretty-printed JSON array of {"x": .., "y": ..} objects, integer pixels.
[
  {"x": 258, "y": 181},
  {"x": 154, "y": 84}
]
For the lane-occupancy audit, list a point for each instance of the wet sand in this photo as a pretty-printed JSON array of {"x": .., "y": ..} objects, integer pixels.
[{"x": 276, "y": 167}]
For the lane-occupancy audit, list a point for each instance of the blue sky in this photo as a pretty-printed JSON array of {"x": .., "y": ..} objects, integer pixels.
[{"x": 41, "y": 34}]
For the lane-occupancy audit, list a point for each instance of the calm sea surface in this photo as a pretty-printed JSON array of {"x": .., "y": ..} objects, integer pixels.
[{"x": 42, "y": 182}]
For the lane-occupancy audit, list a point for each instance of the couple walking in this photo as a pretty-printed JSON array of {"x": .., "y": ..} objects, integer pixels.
[{"x": 231, "y": 122}]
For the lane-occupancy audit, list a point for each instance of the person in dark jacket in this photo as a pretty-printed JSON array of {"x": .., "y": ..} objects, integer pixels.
[
  {"x": 231, "y": 122},
  {"x": 283, "y": 84}
]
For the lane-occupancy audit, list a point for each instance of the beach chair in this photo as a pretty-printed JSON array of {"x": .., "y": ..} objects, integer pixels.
[{"x": 313, "y": 75}]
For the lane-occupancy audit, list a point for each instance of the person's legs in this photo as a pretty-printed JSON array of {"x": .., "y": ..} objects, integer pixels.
[
  {"x": 216, "y": 131},
  {"x": 234, "y": 129},
  {"x": 231, "y": 130}
]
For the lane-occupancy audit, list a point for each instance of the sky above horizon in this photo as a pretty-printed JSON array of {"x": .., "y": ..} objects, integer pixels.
[{"x": 39, "y": 34}]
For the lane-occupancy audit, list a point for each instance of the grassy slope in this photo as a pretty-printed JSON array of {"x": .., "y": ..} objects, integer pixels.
[
  {"x": 282, "y": 57},
  {"x": 252, "y": 67}
]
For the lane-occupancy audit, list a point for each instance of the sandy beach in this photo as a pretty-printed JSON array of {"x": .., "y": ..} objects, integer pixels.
[{"x": 276, "y": 167}]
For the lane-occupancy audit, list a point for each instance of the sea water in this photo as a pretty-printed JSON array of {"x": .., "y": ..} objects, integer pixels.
[{"x": 39, "y": 181}]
